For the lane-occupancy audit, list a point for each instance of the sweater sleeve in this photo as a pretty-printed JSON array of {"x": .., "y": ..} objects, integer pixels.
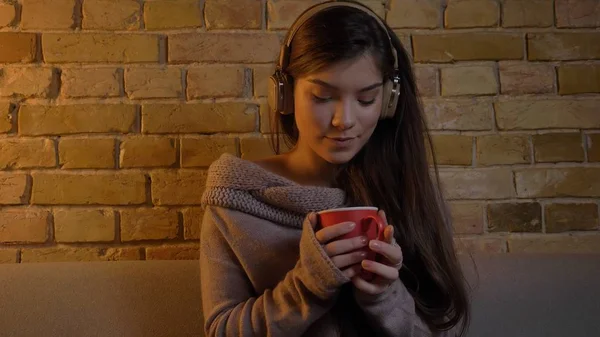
[
  {"x": 393, "y": 313},
  {"x": 230, "y": 304}
]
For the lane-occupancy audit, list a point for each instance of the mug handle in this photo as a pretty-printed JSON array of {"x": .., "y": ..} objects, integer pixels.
[{"x": 380, "y": 227}]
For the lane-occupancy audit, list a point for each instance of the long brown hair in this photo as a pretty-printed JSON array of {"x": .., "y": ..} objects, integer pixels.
[{"x": 391, "y": 171}]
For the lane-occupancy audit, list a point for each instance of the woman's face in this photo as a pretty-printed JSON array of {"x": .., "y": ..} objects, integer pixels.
[{"x": 336, "y": 110}]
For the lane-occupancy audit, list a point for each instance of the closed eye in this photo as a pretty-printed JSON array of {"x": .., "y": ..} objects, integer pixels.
[
  {"x": 320, "y": 99},
  {"x": 366, "y": 103}
]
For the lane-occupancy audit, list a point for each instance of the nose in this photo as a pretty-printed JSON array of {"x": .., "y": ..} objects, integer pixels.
[{"x": 344, "y": 116}]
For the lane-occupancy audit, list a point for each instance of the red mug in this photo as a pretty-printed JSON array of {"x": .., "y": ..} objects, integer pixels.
[{"x": 368, "y": 223}]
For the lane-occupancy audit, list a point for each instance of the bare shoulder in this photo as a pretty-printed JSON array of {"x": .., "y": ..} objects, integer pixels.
[
  {"x": 271, "y": 162},
  {"x": 276, "y": 164}
]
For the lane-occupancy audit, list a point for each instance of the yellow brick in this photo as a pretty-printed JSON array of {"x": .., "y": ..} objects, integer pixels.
[
  {"x": 577, "y": 13},
  {"x": 557, "y": 147},
  {"x": 414, "y": 13},
  {"x": 458, "y": 114},
  {"x": 514, "y": 217},
  {"x": 192, "y": 221},
  {"x": 153, "y": 83},
  {"x": 467, "y": 218},
  {"x": 27, "y": 82},
  {"x": 578, "y": 79},
  {"x": 551, "y": 244},
  {"x": 265, "y": 118},
  {"x": 177, "y": 187},
  {"x": 20, "y": 153},
  {"x": 260, "y": 76},
  {"x": 99, "y": 47},
  {"x": 163, "y": 14},
  {"x": 593, "y": 144},
  {"x": 198, "y": 118},
  {"x": 84, "y": 225},
  {"x": 90, "y": 82},
  {"x": 224, "y": 47},
  {"x": 111, "y": 14},
  {"x": 427, "y": 82},
  {"x": 47, "y": 14},
  {"x": 119, "y": 188},
  {"x": 13, "y": 188},
  {"x": 452, "y": 149},
  {"x": 253, "y": 148},
  {"x": 173, "y": 252},
  {"x": 201, "y": 152},
  {"x": 565, "y": 182},
  {"x": 376, "y": 6},
  {"x": 6, "y": 117},
  {"x": 81, "y": 118},
  {"x": 527, "y": 13},
  {"x": 8, "y": 255},
  {"x": 467, "y": 47},
  {"x": 83, "y": 153},
  {"x": 478, "y": 183},
  {"x": 563, "y": 46},
  {"x": 547, "y": 114},
  {"x": 147, "y": 152},
  {"x": 471, "y": 13},
  {"x": 23, "y": 225},
  {"x": 7, "y": 14},
  {"x": 17, "y": 47},
  {"x": 282, "y": 13},
  {"x": 215, "y": 81},
  {"x": 571, "y": 217},
  {"x": 503, "y": 149},
  {"x": 468, "y": 80},
  {"x": 226, "y": 14},
  {"x": 149, "y": 224},
  {"x": 72, "y": 254},
  {"x": 405, "y": 40},
  {"x": 526, "y": 78}
]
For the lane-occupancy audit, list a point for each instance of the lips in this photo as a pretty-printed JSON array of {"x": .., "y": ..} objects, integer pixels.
[{"x": 341, "y": 141}]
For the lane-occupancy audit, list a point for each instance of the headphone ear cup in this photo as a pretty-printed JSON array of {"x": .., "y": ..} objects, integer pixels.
[
  {"x": 288, "y": 94},
  {"x": 280, "y": 93},
  {"x": 387, "y": 91},
  {"x": 274, "y": 93},
  {"x": 391, "y": 93}
]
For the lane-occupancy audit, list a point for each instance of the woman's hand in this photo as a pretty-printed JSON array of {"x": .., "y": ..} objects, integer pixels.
[
  {"x": 386, "y": 271},
  {"x": 346, "y": 254}
]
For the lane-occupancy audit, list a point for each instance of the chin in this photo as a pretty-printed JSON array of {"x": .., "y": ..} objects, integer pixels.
[{"x": 338, "y": 158}]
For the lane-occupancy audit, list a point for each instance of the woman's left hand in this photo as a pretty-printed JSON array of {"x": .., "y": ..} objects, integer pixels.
[{"x": 385, "y": 272}]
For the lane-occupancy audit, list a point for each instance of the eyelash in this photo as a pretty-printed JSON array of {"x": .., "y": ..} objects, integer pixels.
[
  {"x": 367, "y": 103},
  {"x": 321, "y": 99},
  {"x": 318, "y": 99}
]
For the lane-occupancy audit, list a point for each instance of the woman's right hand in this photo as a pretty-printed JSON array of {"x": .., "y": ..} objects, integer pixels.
[{"x": 346, "y": 254}]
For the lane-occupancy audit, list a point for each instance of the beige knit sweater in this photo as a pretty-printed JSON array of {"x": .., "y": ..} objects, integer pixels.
[{"x": 263, "y": 273}]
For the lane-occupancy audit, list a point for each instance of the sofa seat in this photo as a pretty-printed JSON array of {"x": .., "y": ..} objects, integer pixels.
[{"x": 514, "y": 295}]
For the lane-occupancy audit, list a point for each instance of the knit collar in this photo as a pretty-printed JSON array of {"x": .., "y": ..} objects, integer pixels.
[{"x": 245, "y": 186}]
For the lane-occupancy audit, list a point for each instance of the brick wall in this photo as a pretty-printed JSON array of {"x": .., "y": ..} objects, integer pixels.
[{"x": 111, "y": 110}]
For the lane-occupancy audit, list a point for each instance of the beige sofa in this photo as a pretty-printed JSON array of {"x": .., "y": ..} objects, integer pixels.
[{"x": 515, "y": 296}]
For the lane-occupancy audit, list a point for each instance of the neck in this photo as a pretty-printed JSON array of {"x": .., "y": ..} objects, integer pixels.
[{"x": 309, "y": 169}]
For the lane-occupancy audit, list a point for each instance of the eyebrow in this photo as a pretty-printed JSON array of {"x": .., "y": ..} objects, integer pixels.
[{"x": 331, "y": 86}]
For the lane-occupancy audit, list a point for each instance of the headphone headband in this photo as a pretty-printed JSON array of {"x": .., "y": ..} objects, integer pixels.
[
  {"x": 284, "y": 55},
  {"x": 280, "y": 94}
]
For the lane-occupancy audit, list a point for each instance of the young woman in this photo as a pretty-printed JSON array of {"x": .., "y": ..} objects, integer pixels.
[{"x": 345, "y": 97}]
